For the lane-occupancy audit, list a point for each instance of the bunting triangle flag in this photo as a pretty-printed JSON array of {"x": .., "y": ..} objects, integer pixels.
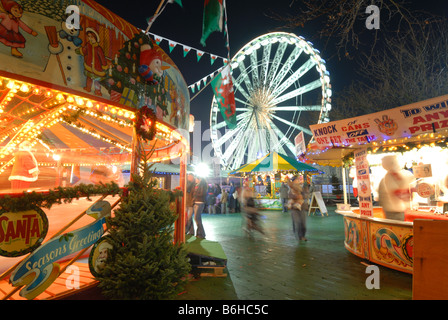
[
  {"x": 158, "y": 39},
  {"x": 171, "y": 45},
  {"x": 212, "y": 59},
  {"x": 186, "y": 50},
  {"x": 199, "y": 54},
  {"x": 179, "y": 2},
  {"x": 223, "y": 88},
  {"x": 212, "y": 18}
]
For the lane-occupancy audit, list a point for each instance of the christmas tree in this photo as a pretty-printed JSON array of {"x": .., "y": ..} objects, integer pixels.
[{"x": 144, "y": 263}]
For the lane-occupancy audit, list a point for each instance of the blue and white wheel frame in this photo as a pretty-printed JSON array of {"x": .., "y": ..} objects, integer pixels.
[{"x": 281, "y": 86}]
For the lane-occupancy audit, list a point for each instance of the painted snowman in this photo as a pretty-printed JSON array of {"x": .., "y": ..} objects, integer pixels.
[{"x": 64, "y": 60}]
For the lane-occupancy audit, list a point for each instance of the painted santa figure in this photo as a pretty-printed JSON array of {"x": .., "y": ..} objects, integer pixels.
[{"x": 25, "y": 169}]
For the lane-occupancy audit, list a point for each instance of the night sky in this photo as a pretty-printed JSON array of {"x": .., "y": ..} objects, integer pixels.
[{"x": 247, "y": 19}]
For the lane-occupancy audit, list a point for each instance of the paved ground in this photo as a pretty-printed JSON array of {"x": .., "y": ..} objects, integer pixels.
[{"x": 279, "y": 267}]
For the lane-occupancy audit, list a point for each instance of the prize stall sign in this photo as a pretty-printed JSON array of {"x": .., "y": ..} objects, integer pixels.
[
  {"x": 428, "y": 116},
  {"x": 299, "y": 142},
  {"x": 363, "y": 178}
]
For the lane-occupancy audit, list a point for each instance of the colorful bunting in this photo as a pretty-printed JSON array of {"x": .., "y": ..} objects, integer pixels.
[{"x": 199, "y": 53}]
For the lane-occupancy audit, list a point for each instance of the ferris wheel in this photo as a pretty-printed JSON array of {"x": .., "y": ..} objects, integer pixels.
[{"x": 281, "y": 86}]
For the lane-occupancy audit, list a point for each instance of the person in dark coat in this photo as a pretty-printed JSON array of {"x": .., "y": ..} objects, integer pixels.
[
  {"x": 199, "y": 197},
  {"x": 190, "y": 203},
  {"x": 231, "y": 198}
]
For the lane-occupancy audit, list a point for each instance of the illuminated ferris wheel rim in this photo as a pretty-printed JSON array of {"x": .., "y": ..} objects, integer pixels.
[
  {"x": 292, "y": 38},
  {"x": 267, "y": 85}
]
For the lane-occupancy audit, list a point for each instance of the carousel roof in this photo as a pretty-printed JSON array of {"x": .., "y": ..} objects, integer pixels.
[
  {"x": 78, "y": 130},
  {"x": 275, "y": 162},
  {"x": 44, "y": 97}
]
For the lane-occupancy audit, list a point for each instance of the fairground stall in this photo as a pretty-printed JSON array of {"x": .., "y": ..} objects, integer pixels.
[
  {"x": 78, "y": 85},
  {"x": 265, "y": 176},
  {"x": 398, "y": 160}
]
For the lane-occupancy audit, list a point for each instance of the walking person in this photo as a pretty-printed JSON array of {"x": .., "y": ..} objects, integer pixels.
[
  {"x": 189, "y": 229},
  {"x": 231, "y": 198},
  {"x": 210, "y": 200},
  {"x": 200, "y": 193},
  {"x": 250, "y": 211},
  {"x": 224, "y": 197},
  {"x": 297, "y": 208},
  {"x": 284, "y": 191}
]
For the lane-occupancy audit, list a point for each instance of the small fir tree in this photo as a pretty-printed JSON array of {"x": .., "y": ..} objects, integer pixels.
[{"x": 144, "y": 263}]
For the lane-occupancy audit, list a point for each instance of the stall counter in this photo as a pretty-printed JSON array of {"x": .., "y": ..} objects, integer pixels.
[{"x": 383, "y": 241}]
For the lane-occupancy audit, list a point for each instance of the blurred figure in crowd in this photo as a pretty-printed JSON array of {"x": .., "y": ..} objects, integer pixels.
[{"x": 199, "y": 196}]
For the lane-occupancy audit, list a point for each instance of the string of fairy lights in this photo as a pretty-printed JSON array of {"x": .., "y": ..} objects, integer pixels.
[
  {"x": 62, "y": 107},
  {"x": 398, "y": 145}
]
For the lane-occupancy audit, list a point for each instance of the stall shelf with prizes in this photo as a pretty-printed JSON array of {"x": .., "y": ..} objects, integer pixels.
[{"x": 74, "y": 102}]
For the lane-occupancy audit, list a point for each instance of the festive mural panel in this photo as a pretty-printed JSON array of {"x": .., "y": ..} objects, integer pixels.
[
  {"x": 353, "y": 236},
  {"x": 103, "y": 58},
  {"x": 386, "y": 244},
  {"x": 392, "y": 245}
]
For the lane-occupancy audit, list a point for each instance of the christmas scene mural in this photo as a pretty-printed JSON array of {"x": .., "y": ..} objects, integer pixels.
[{"x": 100, "y": 58}]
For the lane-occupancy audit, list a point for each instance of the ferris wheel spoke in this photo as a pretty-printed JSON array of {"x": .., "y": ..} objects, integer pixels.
[
  {"x": 295, "y": 126},
  {"x": 238, "y": 88},
  {"x": 260, "y": 133},
  {"x": 229, "y": 134},
  {"x": 298, "y": 108},
  {"x": 299, "y": 91},
  {"x": 254, "y": 64},
  {"x": 242, "y": 109},
  {"x": 245, "y": 76},
  {"x": 293, "y": 57},
  {"x": 234, "y": 144},
  {"x": 265, "y": 63},
  {"x": 239, "y": 152},
  {"x": 283, "y": 139},
  {"x": 242, "y": 102},
  {"x": 276, "y": 62},
  {"x": 222, "y": 124},
  {"x": 244, "y": 126},
  {"x": 275, "y": 143},
  {"x": 294, "y": 77}
]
